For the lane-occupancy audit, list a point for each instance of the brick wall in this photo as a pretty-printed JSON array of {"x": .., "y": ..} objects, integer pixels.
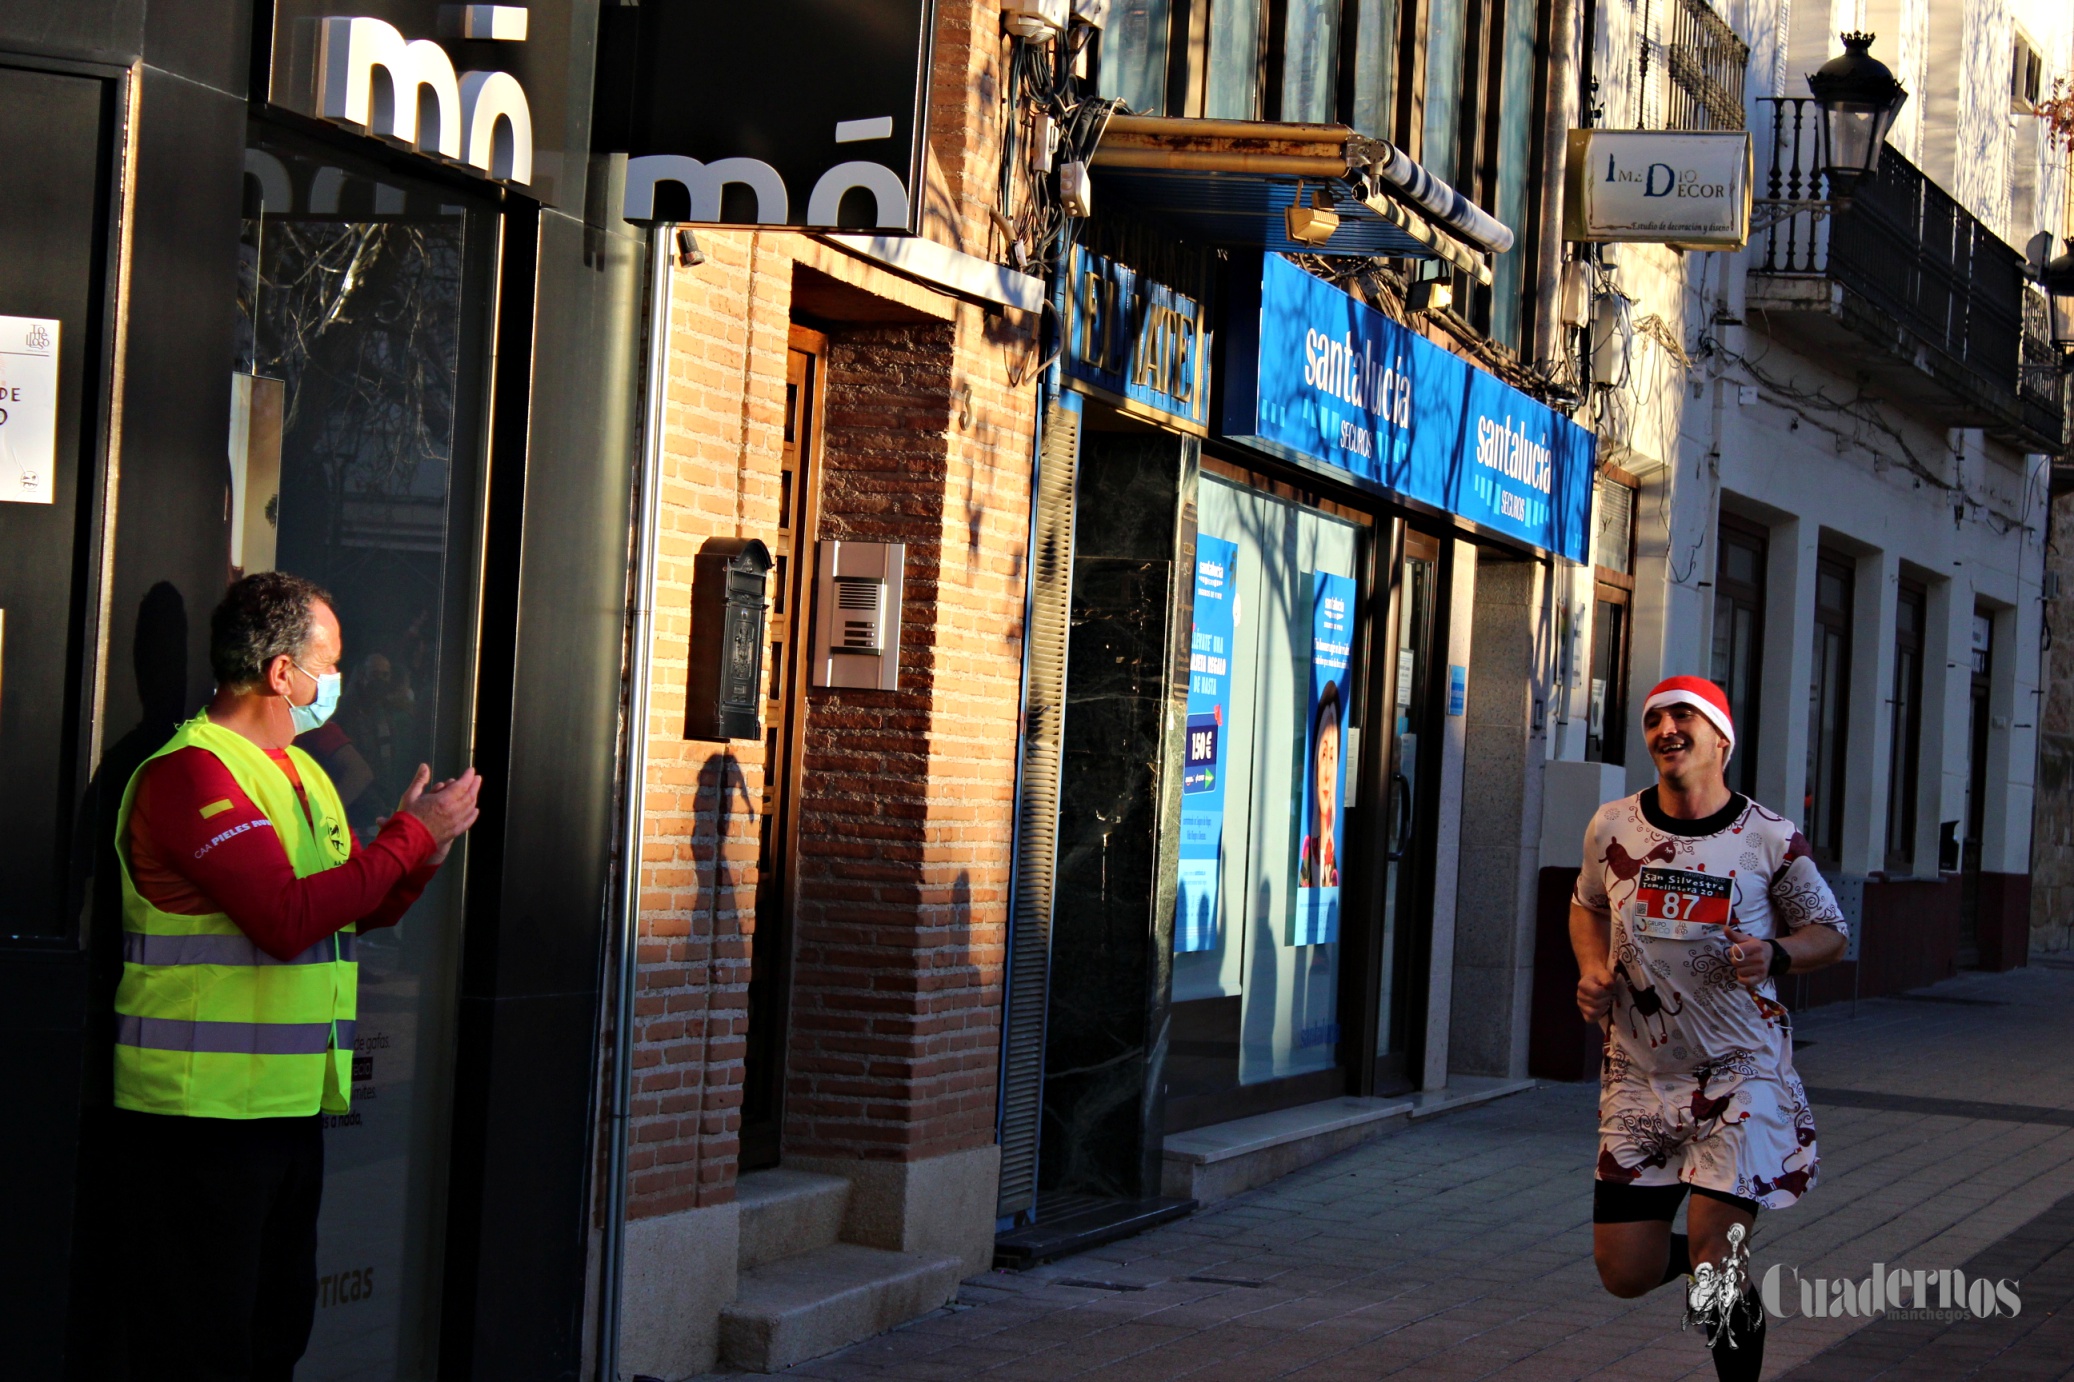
[
  {"x": 698, "y": 860},
  {"x": 906, "y": 821}
]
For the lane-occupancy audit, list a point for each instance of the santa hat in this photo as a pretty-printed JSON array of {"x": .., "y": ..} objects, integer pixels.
[{"x": 1702, "y": 695}]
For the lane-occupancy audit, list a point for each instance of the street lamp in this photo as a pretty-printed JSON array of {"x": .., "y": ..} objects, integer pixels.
[
  {"x": 2058, "y": 282},
  {"x": 1859, "y": 99}
]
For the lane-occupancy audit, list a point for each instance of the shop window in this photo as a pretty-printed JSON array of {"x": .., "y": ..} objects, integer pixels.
[
  {"x": 1451, "y": 81},
  {"x": 1515, "y": 154},
  {"x": 1134, "y": 54},
  {"x": 1374, "y": 27},
  {"x": 1447, "y": 39},
  {"x": 1613, "y": 585},
  {"x": 1905, "y": 728},
  {"x": 1260, "y": 916},
  {"x": 1738, "y": 643},
  {"x": 355, "y": 460},
  {"x": 1232, "y": 86},
  {"x": 1309, "y": 61},
  {"x": 1829, "y": 697}
]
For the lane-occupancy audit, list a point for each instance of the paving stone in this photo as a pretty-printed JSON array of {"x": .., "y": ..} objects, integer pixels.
[{"x": 1460, "y": 1247}]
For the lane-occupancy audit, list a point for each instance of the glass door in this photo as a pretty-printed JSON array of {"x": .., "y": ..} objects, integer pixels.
[
  {"x": 1276, "y": 699},
  {"x": 1408, "y": 768},
  {"x": 356, "y": 441}
]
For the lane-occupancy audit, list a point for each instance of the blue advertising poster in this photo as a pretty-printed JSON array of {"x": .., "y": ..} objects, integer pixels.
[
  {"x": 1316, "y": 921},
  {"x": 1319, "y": 377},
  {"x": 1202, "y": 764}
]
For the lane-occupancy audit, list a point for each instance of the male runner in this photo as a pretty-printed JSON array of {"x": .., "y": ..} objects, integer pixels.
[{"x": 1692, "y": 900}]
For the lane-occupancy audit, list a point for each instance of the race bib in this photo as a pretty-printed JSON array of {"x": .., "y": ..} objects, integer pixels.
[{"x": 1681, "y": 904}]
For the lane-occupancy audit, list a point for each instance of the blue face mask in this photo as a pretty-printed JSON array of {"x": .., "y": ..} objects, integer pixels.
[{"x": 308, "y": 717}]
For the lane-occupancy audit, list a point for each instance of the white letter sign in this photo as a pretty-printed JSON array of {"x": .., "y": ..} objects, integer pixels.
[{"x": 28, "y": 409}]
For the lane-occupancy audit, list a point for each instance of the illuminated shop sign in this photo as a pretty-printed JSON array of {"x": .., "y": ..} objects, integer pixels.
[
  {"x": 1136, "y": 343},
  {"x": 469, "y": 85},
  {"x": 785, "y": 112},
  {"x": 1322, "y": 379}
]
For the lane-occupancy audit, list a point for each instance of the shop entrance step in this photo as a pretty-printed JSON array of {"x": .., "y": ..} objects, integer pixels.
[
  {"x": 1069, "y": 1223},
  {"x": 811, "y": 1303},
  {"x": 785, "y": 1213}
]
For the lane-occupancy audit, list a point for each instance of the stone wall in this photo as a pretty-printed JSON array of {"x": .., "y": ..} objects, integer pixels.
[{"x": 2052, "y": 827}]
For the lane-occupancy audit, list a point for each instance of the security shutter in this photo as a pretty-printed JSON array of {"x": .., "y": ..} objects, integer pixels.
[{"x": 1029, "y": 964}]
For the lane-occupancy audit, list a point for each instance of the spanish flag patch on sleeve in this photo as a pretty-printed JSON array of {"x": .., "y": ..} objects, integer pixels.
[{"x": 216, "y": 808}]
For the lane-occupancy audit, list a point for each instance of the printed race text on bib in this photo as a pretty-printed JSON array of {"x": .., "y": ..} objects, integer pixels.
[{"x": 1681, "y": 904}]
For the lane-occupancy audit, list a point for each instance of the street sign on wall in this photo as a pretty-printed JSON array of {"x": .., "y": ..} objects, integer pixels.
[
  {"x": 785, "y": 112},
  {"x": 1320, "y": 378},
  {"x": 1659, "y": 187}
]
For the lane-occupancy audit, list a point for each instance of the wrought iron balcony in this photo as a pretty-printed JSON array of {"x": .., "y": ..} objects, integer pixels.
[{"x": 1905, "y": 288}]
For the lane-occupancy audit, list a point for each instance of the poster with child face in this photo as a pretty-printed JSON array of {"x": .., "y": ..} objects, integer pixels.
[{"x": 1316, "y": 918}]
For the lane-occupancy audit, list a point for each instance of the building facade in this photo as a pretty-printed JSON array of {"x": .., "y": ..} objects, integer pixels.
[
  {"x": 1836, "y": 448},
  {"x": 1041, "y": 658},
  {"x": 822, "y": 905}
]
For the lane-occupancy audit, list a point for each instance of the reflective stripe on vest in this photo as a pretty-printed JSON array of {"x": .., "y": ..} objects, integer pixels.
[
  {"x": 139, "y": 948},
  {"x": 208, "y": 1024},
  {"x": 231, "y": 1038}
]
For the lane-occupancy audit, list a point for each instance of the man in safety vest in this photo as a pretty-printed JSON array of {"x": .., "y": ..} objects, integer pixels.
[{"x": 242, "y": 890}]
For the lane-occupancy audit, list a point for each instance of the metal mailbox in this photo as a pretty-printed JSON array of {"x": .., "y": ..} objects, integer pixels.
[{"x": 729, "y": 599}]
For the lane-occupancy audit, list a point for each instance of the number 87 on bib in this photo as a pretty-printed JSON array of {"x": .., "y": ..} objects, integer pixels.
[{"x": 1681, "y": 904}]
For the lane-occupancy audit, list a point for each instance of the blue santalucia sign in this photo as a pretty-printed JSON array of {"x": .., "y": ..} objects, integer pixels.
[{"x": 1322, "y": 379}]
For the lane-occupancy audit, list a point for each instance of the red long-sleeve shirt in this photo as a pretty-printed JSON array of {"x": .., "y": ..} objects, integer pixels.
[{"x": 198, "y": 844}]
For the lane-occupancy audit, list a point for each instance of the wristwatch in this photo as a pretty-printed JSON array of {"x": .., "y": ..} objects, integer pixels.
[{"x": 1782, "y": 959}]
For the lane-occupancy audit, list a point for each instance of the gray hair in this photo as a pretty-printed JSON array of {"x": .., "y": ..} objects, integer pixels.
[{"x": 262, "y": 617}]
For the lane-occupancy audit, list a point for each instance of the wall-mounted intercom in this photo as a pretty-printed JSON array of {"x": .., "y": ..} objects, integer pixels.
[
  {"x": 729, "y": 596},
  {"x": 857, "y": 592}
]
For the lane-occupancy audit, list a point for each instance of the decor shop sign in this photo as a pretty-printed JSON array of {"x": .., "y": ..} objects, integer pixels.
[
  {"x": 1136, "y": 343},
  {"x": 786, "y": 112},
  {"x": 1319, "y": 378},
  {"x": 461, "y": 97},
  {"x": 1659, "y": 186}
]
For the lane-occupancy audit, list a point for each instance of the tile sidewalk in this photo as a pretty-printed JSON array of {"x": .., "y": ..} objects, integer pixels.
[{"x": 1460, "y": 1248}]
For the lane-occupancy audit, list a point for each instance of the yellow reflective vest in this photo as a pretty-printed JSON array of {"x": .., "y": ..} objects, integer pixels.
[{"x": 209, "y": 1025}]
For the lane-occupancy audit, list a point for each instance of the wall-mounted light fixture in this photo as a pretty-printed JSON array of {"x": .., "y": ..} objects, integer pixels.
[
  {"x": 2058, "y": 282},
  {"x": 1313, "y": 222},
  {"x": 1858, "y": 98}
]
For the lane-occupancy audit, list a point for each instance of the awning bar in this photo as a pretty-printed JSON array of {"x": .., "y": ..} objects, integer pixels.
[
  {"x": 1199, "y": 161},
  {"x": 1455, "y": 211},
  {"x": 1267, "y": 149},
  {"x": 1444, "y": 246}
]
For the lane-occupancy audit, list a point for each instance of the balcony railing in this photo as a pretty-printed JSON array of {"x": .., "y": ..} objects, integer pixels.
[
  {"x": 1911, "y": 253},
  {"x": 1703, "y": 67}
]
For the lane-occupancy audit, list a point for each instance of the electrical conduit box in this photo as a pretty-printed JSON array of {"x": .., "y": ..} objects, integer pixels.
[{"x": 857, "y": 594}]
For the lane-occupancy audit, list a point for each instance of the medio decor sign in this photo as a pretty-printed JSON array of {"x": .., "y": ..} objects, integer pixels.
[{"x": 1659, "y": 187}]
